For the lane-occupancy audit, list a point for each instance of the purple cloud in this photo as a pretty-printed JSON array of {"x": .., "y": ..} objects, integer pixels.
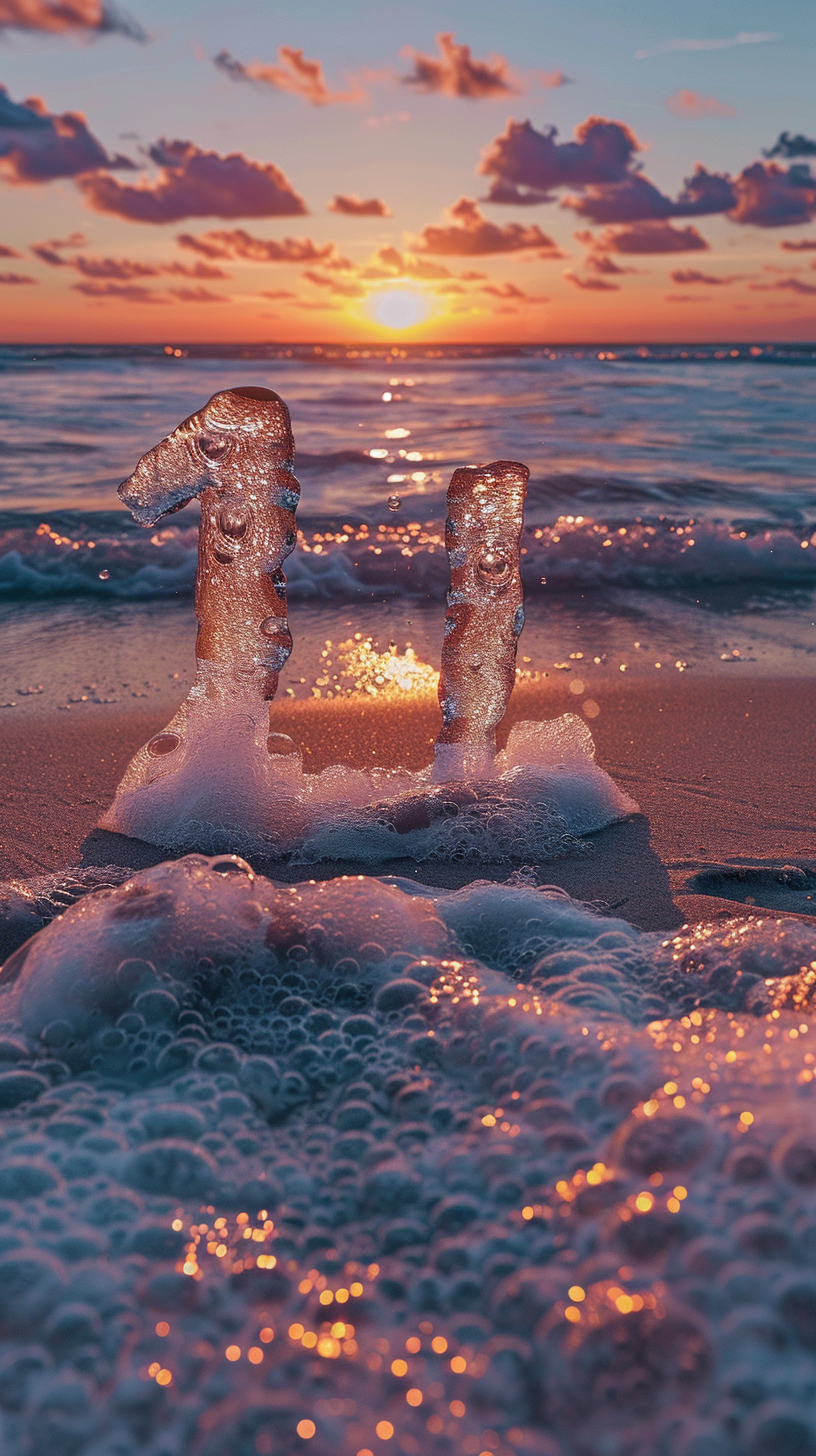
[
  {"x": 470, "y": 233},
  {"x": 356, "y": 207},
  {"x": 791, "y": 146},
  {"x": 36, "y": 146},
  {"x": 650, "y": 237},
  {"x": 237, "y": 243},
  {"x": 195, "y": 183},
  {"x": 596, "y": 285},
  {"x": 527, "y": 165},
  {"x": 769, "y": 196}
]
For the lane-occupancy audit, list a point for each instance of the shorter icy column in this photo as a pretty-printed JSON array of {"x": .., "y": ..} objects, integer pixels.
[
  {"x": 485, "y": 613},
  {"x": 212, "y": 761}
]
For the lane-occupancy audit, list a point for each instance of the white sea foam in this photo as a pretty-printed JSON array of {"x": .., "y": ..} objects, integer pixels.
[
  {"x": 650, "y": 555},
  {"x": 260, "y": 1144},
  {"x": 220, "y": 789}
]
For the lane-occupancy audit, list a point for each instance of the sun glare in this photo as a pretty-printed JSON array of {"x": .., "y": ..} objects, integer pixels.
[{"x": 399, "y": 308}]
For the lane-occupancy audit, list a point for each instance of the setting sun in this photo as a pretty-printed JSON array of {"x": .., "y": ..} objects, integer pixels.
[{"x": 399, "y": 308}]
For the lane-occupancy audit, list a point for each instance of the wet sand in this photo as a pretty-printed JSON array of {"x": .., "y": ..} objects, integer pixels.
[{"x": 723, "y": 771}]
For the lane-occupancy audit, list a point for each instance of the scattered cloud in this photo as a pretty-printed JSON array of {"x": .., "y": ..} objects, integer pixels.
[
  {"x": 651, "y": 237},
  {"x": 691, "y": 104},
  {"x": 685, "y": 298},
  {"x": 128, "y": 292},
  {"x": 597, "y": 285},
  {"x": 527, "y": 165},
  {"x": 601, "y": 262},
  {"x": 788, "y": 146},
  {"x": 507, "y": 291},
  {"x": 15, "y": 278},
  {"x": 276, "y": 293},
  {"x": 239, "y": 244},
  {"x": 692, "y": 275},
  {"x": 344, "y": 287},
  {"x": 454, "y": 72},
  {"x": 804, "y": 245},
  {"x": 294, "y": 73},
  {"x": 59, "y": 16},
  {"x": 198, "y": 295},
  {"x": 744, "y": 37},
  {"x": 195, "y": 183},
  {"x": 769, "y": 196},
  {"x": 106, "y": 288},
  {"x": 9, "y": 252},
  {"x": 36, "y": 146},
  {"x": 791, "y": 285},
  {"x": 636, "y": 199},
  {"x": 553, "y": 79},
  {"x": 470, "y": 233},
  {"x": 389, "y": 262},
  {"x": 193, "y": 270},
  {"x": 351, "y": 206},
  {"x": 122, "y": 269}
]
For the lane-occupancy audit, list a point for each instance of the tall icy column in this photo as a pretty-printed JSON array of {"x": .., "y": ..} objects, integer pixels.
[
  {"x": 236, "y": 455},
  {"x": 485, "y": 614}
]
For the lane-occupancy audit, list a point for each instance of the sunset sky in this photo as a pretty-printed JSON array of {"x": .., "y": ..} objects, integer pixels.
[{"x": 455, "y": 172}]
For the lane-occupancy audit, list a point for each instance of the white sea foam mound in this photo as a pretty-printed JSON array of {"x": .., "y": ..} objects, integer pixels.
[
  {"x": 272, "y": 1157},
  {"x": 220, "y": 789}
]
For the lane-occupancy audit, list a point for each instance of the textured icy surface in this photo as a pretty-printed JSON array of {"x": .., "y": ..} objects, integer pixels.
[
  {"x": 485, "y": 612},
  {"x": 480, "y": 1166},
  {"x": 236, "y": 454}
]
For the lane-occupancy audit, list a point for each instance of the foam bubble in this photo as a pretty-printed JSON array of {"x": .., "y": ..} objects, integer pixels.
[{"x": 293, "y": 1152}]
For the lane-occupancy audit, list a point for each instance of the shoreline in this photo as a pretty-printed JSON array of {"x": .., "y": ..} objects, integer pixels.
[{"x": 722, "y": 772}]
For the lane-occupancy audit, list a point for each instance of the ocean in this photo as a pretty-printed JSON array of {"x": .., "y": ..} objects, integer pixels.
[{"x": 359, "y": 1165}]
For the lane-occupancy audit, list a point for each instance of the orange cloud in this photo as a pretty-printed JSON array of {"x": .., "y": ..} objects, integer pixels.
[
  {"x": 650, "y": 237},
  {"x": 455, "y": 73},
  {"x": 691, "y": 104},
  {"x": 470, "y": 233},
  {"x": 691, "y": 275},
  {"x": 195, "y": 183},
  {"x": 15, "y": 278},
  {"x": 59, "y": 16},
  {"x": 238, "y": 243},
  {"x": 355, "y": 207},
  {"x": 508, "y": 291},
  {"x": 346, "y": 288},
  {"x": 294, "y": 74},
  {"x": 595, "y": 284}
]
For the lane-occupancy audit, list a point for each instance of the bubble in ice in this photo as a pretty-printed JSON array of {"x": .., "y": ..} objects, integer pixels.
[
  {"x": 266, "y": 1145},
  {"x": 394, "y": 502}
]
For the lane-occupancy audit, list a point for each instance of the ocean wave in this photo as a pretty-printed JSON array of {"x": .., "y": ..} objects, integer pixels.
[{"x": 575, "y": 553}]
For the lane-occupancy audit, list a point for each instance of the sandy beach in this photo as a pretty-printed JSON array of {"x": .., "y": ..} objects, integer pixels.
[{"x": 722, "y": 771}]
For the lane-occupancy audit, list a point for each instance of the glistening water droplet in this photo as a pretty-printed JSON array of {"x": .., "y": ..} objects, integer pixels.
[{"x": 394, "y": 502}]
